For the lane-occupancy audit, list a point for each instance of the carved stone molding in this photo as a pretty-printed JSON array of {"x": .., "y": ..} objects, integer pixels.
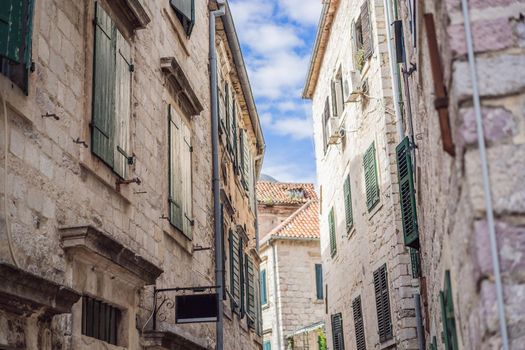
[
  {"x": 165, "y": 340},
  {"x": 135, "y": 13}
]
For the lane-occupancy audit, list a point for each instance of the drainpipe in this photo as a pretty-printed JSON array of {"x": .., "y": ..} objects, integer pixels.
[
  {"x": 486, "y": 182},
  {"x": 419, "y": 322},
  {"x": 276, "y": 296},
  {"x": 394, "y": 72},
  {"x": 219, "y": 268}
]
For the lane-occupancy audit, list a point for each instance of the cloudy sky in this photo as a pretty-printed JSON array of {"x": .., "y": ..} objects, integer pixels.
[{"x": 276, "y": 38}]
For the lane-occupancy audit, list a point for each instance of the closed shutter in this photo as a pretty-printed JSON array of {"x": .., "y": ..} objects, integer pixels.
[
  {"x": 407, "y": 193},
  {"x": 235, "y": 139},
  {"x": 11, "y": 29},
  {"x": 235, "y": 273},
  {"x": 333, "y": 93},
  {"x": 245, "y": 158},
  {"x": 347, "y": 192},
  {"x": 227, "y": 115},
  {"x": 448, "y": 320},
  {"x": 264, "y": 290},
  {"x": 319, "y": 281},
  {"x": 370, "y": 169},
  {"x": 185, "y": 10},
  {"x": 384, "y": 321},
  {"x": 175, "y": 169},
  {"x": 337, "y": 332},
  {"x": 267, "y": 345},
  {"x": 331, "y": 227},
  {"x": 358, "y": 324},
  {"x": 186, "y": 168},
  {"x": 251, "y": 184},
  {"x": 242, "y": 279},
  {"x": 415, "y": 263},
  {"x": 103, "y": 120},
  {"x": 326, "y": 120},
  {"x": 123, "y": 106},
  {"x": 258, "y": 325},
  {"x": 338, "y": 86},
  {"x": 250, "y": 288},
  {"x": 366, "y": 27}
]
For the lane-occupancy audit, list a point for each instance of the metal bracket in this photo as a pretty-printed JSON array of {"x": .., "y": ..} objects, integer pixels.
[
  {"x": 412, "y": 69},
  {"x": 80, "y": 142},
  {"x": 130, "y": 159},
  {"x": 51, "y": 115}
]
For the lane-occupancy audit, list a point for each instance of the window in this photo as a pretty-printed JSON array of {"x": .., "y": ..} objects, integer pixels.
[
  {"x": 337, "y": 94},
  {"x": 319, "y": 281},
  {"x": 250, "y": 290},
  {"x": 235, "y": 271},
  {"x": 185, "y": 10},
  {"x": 384, "y": 321},
  {"x": 407, "y": 198},
  {"x": 360, "y": 339},
  {"x": 100, "y": 320},
  {"x": 180, "y": 174},
  {"x": 267, "y": 345},
  {"x": 362, "y": 36},
  {"x": 264, "y": 288},
  {"x": 16, "y": 26},
  {"x": 111, "y": 95},
  {"x": 337, "y": 332},
  {"x": 347, "y": 193},
  {"x": 370, "y": 170},
  {"x": 326, "y": 129},
  {"x": 331, "y": 227},
  {"x": 448, "y": 319}
]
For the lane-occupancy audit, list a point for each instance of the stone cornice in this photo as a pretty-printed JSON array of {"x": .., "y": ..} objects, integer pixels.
[
  {"x": 93, "y": 240},
  {"x": 135, "y": 13},
  {"x": 168, "y": 340},
  {"x": 25, "y": 293}
]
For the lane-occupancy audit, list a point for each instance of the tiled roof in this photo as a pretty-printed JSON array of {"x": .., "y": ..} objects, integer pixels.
[
  {"x": 285, "y": 193},
  {"x": 303, "y": 223}
]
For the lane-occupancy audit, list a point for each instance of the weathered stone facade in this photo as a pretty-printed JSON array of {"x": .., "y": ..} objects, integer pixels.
[
  {"x": 293, "y": 311},
  {"x": 70, "y": 221},
  {"x": 452, "y": 216},
  {"x": 355, "y": 139}
]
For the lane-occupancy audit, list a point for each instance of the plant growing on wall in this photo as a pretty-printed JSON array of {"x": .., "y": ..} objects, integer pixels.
[
  {"x": 360, "y": 59},
  {"x": 321, "y": 340}
]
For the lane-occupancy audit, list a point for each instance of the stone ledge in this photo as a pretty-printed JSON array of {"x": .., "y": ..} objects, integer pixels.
[
  {"x": 166, "y": 340},
  {"x": 25, "y": 293},
  {"x": 93, "y": 240},
  {"x": 135, "y": 13}
]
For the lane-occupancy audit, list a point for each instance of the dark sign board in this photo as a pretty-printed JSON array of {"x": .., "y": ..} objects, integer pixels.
[{"x": 196, "y": 308}]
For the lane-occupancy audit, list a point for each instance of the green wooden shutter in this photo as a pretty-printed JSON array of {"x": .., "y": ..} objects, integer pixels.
[
  {"x": 370, "y": 170},
  {"x": 122, "y": 152},
  {"x": 245, "y": 158},
  {"x": 250, "y": 289},
  {"x": 319, "y": 281},
  {"x": 415, "y": 262},
  {"x": 235, "y": 138},
  {"x": 186, "y": 172},
  {"x": 384, "y": 320},
  {"x": 11, "y": 29},
  {"x": 264, "y": 290},
  {"x": 347, "y": 192},
  {"x": 366, "y": 27},
  {"x": 235, "y": 273},
  {"x": 175, "y": 170},
  {"x": 227, "y": 114},
  {"x": 358, "y": 324},
  {"x": 337, "y": 332},
  {"x": 267, "y": 345},
  {"x": 331, "y": 227},
  {"x": 103, "y": 119},
  {"x": 185, "y": 10},
  {"x": 407, "y": 194},
  {"x": 448, "y": 320},
  {"x": 242, "y": 281}
]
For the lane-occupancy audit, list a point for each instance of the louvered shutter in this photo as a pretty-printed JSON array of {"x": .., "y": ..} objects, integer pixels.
[
  {"x": 264, "y": 290},
  {"x": 103, "y": 120},
  {"x": 186, "y": 12},
  {"x": 326, "y": 120},
  {"x": 257, "y": 283},
  {"x": 319, "y": 281},
  {"x": 384, "y": 320},
  {"x": 334, "y": 98},
  {"x": 337, "y": 332},
  {"x": 415, "y": 263},
  {"x": 338, "y": 91},
  {"x": 347, "y": 193},
  {"x": 242, "y": 282},
  {"x": 358, "y": 324},
  {"x": 366, "y": 27},
  {"x": 407, "y": 193},
  {"x": 370, "y": 169},
  {"x": 331, "y": 227},
  {"x": 250, "y": 288},
  {"x": 186, "y": 172},
  {"x": 235, "y": 138},
  {"x": 447, "y": 314},
  {"x": 122, "y": 152},
  {"x": 175, "y": 169},
  {"x": 235, "y": 273},
  {"x": 227, "y": 119},
  {"x": 245, "y": 158},
  {"x": 11, "y": 29}
]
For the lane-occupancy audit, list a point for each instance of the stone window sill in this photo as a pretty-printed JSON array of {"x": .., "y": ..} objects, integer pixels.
[
  {"x": 388, "y": 344},
  {"x": 375, "y": 210},
  {"x": 351, "y": 232}
]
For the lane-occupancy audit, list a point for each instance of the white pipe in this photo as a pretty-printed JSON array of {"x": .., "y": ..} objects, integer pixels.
[
  {"x": 276, "y": 296},
  {"x": 486, "y": 181},
  {"x": 394, "y": 72}
]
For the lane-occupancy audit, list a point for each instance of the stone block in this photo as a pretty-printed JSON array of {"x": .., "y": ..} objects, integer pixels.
[{"x": 498, "y": 123}]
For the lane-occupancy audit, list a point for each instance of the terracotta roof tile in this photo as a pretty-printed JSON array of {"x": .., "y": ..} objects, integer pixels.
[
  {"x": 285, "y": 193},
  {"x": 303, "y": 223}
]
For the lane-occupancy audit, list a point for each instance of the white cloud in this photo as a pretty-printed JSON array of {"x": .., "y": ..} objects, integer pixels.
[
  {"x": 306, "y": 12},
  {"x": 289, "y": 172},
  {"x": 297, "y": 128}
]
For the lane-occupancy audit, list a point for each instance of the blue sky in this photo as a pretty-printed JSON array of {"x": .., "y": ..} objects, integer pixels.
[{"x": 276, "y": 38}]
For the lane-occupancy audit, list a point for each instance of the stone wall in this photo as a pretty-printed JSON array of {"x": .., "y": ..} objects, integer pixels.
[{"x": 451, "y": 209}]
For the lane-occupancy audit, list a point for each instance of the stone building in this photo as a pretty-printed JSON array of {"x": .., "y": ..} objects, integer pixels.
[
  {"x": 291, "y": 271},
  {"x": 458, "y": 278},
  {"x": 367, "y": 275},
  {"x": 106, "y": 175}
]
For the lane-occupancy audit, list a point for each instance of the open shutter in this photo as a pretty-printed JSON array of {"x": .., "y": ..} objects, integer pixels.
[
  {"x": 245, "y": 158},
  {"x": 103, "y": 120},
  {"x": 11, "y": 29},
  {"x": 414, "y": 260},
  {"x": 227, "y": 115},
  {"x": 123, "y": 106},
  {"x": 264, "y": 290},
  {"x": 250, "y": 289},
  {"x": 185, "y": 10},
  {"x": 384, "y": 320},
  {"x": 175, "y": 171},
  {"x": 186, "y": 169},
  {"x": 366, "y": 27},
  {"x": 235, "y": 138},
  {"x": 235, "y": 274},
  {"x": 331, "y": 227},
  {"x": 338, "y": 86},
  {"x": 450, "y": 338},
  {"x": 407, "y": 193},
  {"x": 319, "y": 281},
  {"x": 242, "y": 281},
  {"x": 358, "y": 324},
  {"x": 370, "y": 169},
  {"x": 337, "y": 332},
  {"x": 347, "y": 192}
]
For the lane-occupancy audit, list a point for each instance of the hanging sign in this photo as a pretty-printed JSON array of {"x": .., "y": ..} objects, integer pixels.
[{"x": 196, "y": 308}]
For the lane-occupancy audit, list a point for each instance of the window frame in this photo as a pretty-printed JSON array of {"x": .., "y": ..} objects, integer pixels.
[
  {"x": 319, "y": 283},
  {"x": 187, "y": 22},
  {"x": 88, "y": 323}
]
